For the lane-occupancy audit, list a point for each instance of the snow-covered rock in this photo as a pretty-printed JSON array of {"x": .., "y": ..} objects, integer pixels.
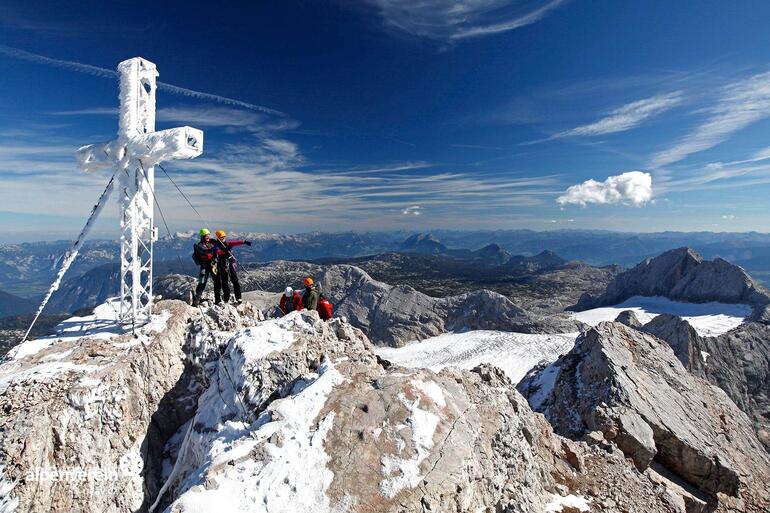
[
  {"x": 301, "y": 416},
  {"x": 215, "y": 409},
  {"x": 86, "y": 413}
]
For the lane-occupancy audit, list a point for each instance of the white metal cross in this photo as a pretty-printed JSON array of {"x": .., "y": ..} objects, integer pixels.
[{"x": 133, "y": 156}]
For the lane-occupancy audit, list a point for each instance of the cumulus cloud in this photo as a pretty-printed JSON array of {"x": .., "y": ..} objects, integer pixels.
[
  {"x": 742, "y": 103},
  {"x": 630, "y": 188},
  {"x": 461, "y": 19},
  {"x": 628, "y": 116}
]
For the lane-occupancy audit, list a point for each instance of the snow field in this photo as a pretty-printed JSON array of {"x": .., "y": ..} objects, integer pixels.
[
  {"x": 514, "y": 353},
  {"x": 708, "y": 319}
]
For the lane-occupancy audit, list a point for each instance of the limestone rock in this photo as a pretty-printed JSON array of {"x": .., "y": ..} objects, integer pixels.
[
  {"x": 699, "y": 434},
  {"x": 316, "y": 422},
  {"x": 682, "y": 274},
  {"x": 628, "y": 317},
  {"x": 738, "y": 362},
  {"x": 213, "y": 409}
]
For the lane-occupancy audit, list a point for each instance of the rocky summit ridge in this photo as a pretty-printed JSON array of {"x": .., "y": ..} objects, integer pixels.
[{"x": 218, "y": 409}]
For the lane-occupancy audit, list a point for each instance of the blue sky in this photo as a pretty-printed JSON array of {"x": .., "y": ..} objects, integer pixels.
[{"x": 394, "y": 114}]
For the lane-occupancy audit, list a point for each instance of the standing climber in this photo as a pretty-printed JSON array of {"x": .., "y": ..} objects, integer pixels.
[
  {"x": 291, "y": 301},
  {"x": 312, "y": 292},
  {"x": 228, "y": 265},
  {"x": 205, "y": 255}
]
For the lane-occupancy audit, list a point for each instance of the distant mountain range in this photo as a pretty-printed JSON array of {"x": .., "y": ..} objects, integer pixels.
[{"x": 26, "y": 270}]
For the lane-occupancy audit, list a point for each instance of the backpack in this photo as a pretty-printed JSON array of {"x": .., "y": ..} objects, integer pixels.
[
  {"x": 196, "y": 258},
  {"x": 325, "y": 308}
]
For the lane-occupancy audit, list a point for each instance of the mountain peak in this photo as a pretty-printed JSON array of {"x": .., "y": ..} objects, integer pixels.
[{"x": 423, "y": 243}]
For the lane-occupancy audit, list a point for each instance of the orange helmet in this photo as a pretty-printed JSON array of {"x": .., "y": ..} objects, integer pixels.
[
  {"x": 308, "y": 282},
  {"x": 220, "y": 234}
]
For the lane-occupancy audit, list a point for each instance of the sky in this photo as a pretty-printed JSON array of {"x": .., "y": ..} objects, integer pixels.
[{"x": 377, "y": 115}]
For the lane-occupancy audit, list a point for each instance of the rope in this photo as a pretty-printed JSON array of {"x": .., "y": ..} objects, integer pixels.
[
  {"x": 183, "y": 194},
  {"x": 160, "y": 211},
  {"x": 70, "y": 256}
]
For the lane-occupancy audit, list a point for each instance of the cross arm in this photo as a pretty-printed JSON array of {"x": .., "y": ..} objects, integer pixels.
[
  {"x": 176, "y": 143},
  {"x": 172, "y": 144}
]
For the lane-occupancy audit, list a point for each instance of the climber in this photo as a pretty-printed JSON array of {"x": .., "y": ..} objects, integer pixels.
[
  {"x": 312, "y": 292},
  {"x": 205, "y": 255},
  {"x": 228, "y": 265},
  {"x": 291, "y": 301},
  {"x": 324, "y": 308}
]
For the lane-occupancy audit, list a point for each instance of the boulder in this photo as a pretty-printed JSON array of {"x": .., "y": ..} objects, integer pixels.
[
  {"x": 683, "y": 339},
  {"x": 628, "y": 317}
]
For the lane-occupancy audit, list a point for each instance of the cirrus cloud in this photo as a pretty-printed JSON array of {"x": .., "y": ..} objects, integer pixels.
[
  {"x": 453, "y": 20},
  {"x": 628, "y": 116},
  {"x": 629, "y": 188}
]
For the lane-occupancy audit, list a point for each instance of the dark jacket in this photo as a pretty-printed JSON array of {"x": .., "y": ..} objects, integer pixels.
[
  {"x": 204, "y": 253},
  {"x": 310, "y": 297}
]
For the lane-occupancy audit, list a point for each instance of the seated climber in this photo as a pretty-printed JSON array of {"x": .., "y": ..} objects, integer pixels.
[
  {"x": 291, "y": 301},
  {"x": 324, "y": 308}
]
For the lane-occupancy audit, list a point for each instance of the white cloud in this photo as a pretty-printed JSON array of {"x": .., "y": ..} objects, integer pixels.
[
  {"x": 630, "y": 188},
  {"x": 628, "y": 116},
  {"x": 743, "y": 102},
  {"x": 460, "y": 19},
  {"x": 414, "y": 210},
  {"x": 728, "y": 217}
]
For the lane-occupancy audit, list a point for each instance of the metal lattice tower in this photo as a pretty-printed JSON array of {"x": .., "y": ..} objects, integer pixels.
[{"x": 133, "y": 155}]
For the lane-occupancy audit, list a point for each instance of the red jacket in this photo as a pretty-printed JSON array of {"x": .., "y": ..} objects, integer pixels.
[
  {"x": 233, "y": 243},
  {"x": 324, "y": 309},
  {"x": 290, "y": 305}
]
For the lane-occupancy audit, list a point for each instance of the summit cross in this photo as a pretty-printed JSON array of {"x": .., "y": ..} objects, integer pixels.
[{"x": 133, "y": 156}]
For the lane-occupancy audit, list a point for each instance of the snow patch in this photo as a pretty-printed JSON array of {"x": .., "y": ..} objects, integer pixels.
[
  {"x": 276, "y": 461},
  {"x": 514, "y": 353},
  {"x": 8, "y": 504},
  {"x": 708, "y": 319},
  {"x": 544, "y": 381},
  {"x": 704, "y": 356},
  {"x": 92, "y": 397},
  {"x": 101, "y": 324},
  {"x": 10, "y": 374},
  {"x": 432, "y": 390},
  {"x": 403, "y": 473},
  {"x": 576, "y": 502}
]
